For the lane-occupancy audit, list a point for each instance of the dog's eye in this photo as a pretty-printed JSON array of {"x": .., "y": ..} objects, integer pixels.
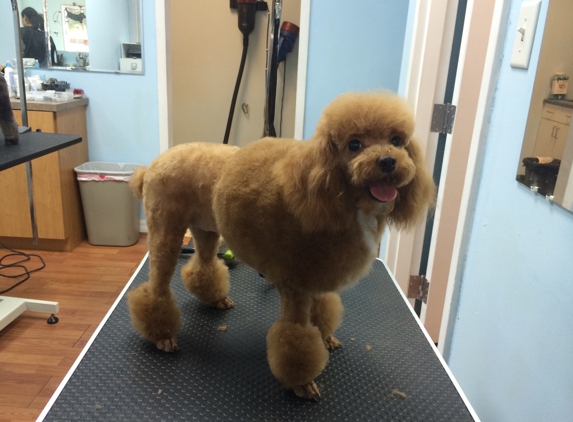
[
  {"x": 396, "y": 141},
  {"x": 354, "y": 145}
]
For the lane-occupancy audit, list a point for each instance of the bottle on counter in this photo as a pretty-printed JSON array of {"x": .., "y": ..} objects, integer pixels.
[
  {"x": 9, "y": 76},
  {"x": 559, "y": 85}
]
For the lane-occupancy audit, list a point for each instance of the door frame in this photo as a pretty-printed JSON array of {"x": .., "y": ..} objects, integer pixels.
[
  {"x": 433, "y": 28},
  {"x": 164, "y": 88},
  {"x": 481, "y": 118},
  {"x": 475, "y": 81}
]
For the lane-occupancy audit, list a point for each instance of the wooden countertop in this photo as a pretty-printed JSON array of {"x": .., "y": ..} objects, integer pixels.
[
  {"x": 562, "y": 103},
  {"x": 49, "y": 105}
]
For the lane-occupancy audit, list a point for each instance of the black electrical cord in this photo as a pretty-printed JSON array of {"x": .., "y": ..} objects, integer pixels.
[
  {"x": 236, "y": 92},
  {"x": 26, "y": 273},
  {"x": 273, "y": 80}
]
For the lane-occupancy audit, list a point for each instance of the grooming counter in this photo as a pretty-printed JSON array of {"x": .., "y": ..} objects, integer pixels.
[{"x": 387, "y": 369}]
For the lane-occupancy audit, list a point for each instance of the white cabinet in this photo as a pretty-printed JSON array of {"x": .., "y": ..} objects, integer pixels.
[{"x": 553, "y": 130}]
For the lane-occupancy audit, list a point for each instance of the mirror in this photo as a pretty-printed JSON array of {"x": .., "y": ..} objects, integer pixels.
[
  {"x": 89, "y": 35},
  {"x": 545, "y": 164}
]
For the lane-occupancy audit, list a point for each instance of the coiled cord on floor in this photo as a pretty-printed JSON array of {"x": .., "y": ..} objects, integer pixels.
[{"x": 18, "y": 264}]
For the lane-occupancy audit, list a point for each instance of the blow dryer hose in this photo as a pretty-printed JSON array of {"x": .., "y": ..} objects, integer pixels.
[{"x": 236, "y": 92}]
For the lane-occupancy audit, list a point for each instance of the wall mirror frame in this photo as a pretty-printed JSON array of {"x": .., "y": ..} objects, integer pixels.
[
  {"x": 545, "y": 164},
  {"x": 92, "y": 35}
]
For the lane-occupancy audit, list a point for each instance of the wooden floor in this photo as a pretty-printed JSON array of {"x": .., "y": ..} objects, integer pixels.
[{"x": 35, "y": 356}]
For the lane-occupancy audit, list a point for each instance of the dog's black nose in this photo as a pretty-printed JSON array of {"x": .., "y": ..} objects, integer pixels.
[{"x": 387, "y": 163}]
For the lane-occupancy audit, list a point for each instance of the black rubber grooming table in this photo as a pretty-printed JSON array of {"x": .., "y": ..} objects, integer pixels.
[{"x": 387, "y": 368}]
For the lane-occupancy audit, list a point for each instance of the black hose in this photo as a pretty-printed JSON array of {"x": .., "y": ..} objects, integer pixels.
[
  {"x": 273, "y": 82},
  {"x": 236, "y": 92}
]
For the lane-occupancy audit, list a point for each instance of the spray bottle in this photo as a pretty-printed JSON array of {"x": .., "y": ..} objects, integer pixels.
[{"x": 9, "y": 76}]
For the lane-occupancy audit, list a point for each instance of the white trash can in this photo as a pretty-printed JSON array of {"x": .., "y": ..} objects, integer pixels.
[{"x": 111, "y": 210}]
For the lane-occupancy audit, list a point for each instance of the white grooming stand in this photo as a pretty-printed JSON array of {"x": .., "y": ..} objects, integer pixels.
[
  {"x": 32, "y": 145},
  {"x": 12, "y": 307}
]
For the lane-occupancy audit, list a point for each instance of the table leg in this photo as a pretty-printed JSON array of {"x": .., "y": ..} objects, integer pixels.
[{"x": 31, "y": 200}]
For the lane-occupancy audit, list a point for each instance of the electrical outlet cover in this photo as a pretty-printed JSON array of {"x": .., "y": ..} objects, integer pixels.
[{"x": 525, "y": 34}]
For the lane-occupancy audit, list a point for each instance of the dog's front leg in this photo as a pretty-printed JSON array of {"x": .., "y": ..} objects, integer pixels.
[
  {"x": 326, "y": 314},
  {"x": 295, "y": 348}
]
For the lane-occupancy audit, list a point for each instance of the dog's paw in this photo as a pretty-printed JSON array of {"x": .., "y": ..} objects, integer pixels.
[
  {"x": 332, "y": 343},
  {"x": 167, "y": 344},
  {"x": 225, "y": 303},
  {"x": 307, "y": 391}
]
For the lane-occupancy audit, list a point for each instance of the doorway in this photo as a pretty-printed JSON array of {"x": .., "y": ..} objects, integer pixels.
[{"x": 204, "y": 72}]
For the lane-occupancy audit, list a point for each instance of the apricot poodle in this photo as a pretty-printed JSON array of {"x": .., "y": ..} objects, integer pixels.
[{"x": 308, "y": 215}]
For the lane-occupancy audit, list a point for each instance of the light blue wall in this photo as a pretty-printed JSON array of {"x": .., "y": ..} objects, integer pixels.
[
  {"x": 361, "y": 46},
  {"x": 352, "y": 47},
  {"x": 512, "y": 344},
  {"x": 122, "y": 115},
  {"x": 107, "y": 29}
]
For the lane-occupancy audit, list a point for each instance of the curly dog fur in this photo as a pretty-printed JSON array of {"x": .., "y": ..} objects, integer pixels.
[{"x": 288, "y": 209}]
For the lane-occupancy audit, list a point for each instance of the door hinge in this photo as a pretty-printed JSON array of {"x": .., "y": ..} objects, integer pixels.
[
  {"x": 443, "y": 118},
  {"x": 418, "y": 288}
]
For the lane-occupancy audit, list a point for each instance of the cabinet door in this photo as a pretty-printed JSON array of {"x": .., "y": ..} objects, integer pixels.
[
  {"x": 560, "y": 136},
  {"x": 545, "y": 139},
  {"x": 47, "y": 190},
  {"x": 15, "y": 210}
]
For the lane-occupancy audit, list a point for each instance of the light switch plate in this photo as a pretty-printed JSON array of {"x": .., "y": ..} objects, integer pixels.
[{"x": 525, "y": 33}]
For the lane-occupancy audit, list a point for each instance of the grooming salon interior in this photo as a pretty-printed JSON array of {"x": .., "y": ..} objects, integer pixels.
[{"x": 487, "y": 81}]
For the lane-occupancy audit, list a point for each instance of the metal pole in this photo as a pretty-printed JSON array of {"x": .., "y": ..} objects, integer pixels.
[
  {"x": 24, "y": 111},
  {"x": 31, "y": 201},
  {"x": 20, "y": 64}
]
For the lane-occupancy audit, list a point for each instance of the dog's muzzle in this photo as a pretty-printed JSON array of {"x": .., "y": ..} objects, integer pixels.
[
  {"x": 387, "y": 163},
  {"x": 384, "y": 191}
]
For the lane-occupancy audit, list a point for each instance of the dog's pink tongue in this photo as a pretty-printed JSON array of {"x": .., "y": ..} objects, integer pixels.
[{"x": 383, "y": 192}]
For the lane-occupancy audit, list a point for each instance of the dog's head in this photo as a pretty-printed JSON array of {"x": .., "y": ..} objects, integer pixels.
[{"x": 369, "y": 137}]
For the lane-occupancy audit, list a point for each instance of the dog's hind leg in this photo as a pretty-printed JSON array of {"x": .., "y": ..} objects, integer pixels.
[
  {"x": 152, "y": 305},
  {"x": 326, "y": 314},
  {"x": 205, "y": 275},
  {"x": 295, "y": 348}
]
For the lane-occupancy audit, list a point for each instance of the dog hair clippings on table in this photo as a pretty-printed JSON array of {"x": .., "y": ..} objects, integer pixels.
[{"x": 287, "y": 208}]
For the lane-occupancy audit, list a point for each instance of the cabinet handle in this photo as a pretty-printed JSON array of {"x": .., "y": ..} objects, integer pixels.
[{"x": 553, "y": 132}]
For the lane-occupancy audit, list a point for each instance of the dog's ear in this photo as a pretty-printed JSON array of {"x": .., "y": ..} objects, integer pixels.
[
  {"x": 325, "y": 206},
  {"x": 416, "y": 197},
  {"x": 315, "y": 184}
]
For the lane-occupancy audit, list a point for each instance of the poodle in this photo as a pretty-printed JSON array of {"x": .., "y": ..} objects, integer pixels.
[{"x": 309, "y": 215}]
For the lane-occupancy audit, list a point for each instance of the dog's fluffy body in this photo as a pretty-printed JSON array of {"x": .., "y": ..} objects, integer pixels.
[{"x": 307, "y": 215}]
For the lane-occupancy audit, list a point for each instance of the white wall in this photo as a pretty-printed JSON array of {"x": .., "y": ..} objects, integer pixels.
[
  {"x": 207, "y": 46},
  {"x": 513, "y": 336}
]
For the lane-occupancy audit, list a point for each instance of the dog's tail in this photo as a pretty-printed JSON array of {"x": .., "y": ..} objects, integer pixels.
[{"x": 136, "y": 182}]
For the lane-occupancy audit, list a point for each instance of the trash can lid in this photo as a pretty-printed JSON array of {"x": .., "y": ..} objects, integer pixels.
[{"x": 98, "y": 167}]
